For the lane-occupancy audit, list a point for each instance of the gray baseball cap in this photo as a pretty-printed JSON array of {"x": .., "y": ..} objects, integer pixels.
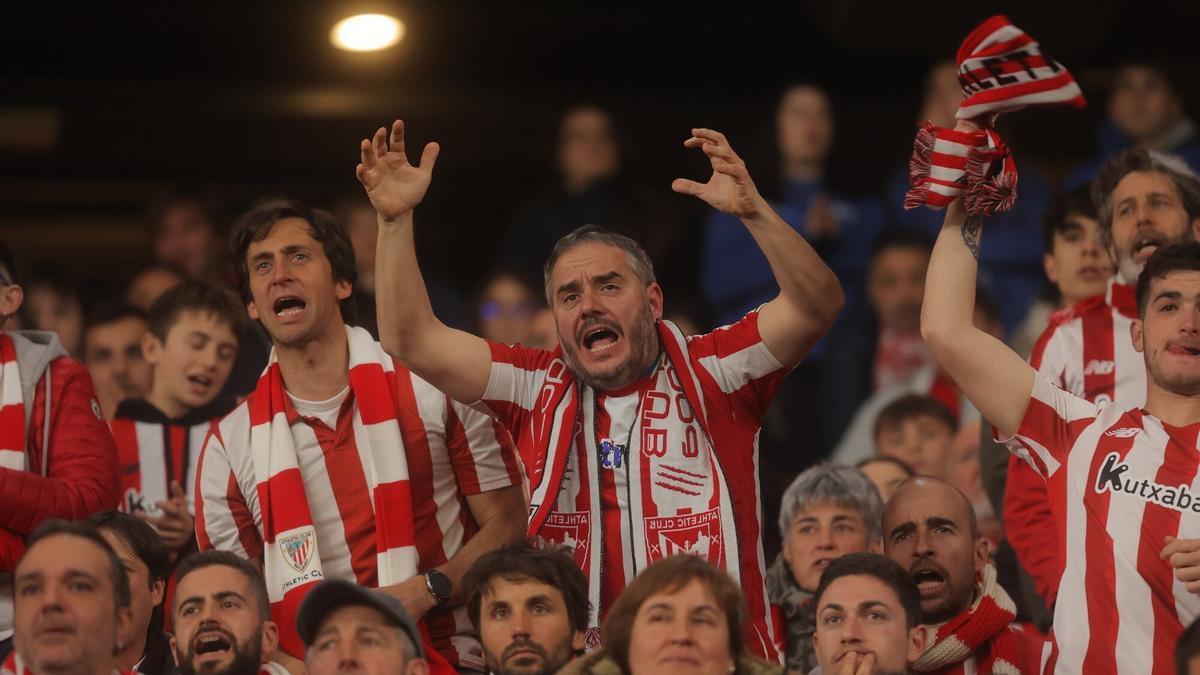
[{"x": 334, "y": 593}]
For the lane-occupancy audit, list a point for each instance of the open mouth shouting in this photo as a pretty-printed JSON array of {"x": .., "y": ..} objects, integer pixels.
[
  {"x": 931, "y": 580},
  {"x": 212, "y": 645},
  {"x": 288, "y": 307},
  {"x": 599, "y": 338}
]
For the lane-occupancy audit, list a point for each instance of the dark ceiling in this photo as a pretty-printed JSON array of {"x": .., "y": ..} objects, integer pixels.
[{"x": 104, "y": 104}]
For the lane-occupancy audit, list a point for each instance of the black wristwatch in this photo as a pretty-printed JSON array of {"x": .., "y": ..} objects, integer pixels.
[{"x": 438, "y": 585}]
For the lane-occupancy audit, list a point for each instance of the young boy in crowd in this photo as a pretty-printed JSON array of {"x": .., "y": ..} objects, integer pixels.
[
  {"x": 919, "y": 431},
  {"x": 191, "y": 342}
]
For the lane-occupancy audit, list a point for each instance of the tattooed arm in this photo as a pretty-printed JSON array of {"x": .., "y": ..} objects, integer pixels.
[{"x": 991, "y": 374}]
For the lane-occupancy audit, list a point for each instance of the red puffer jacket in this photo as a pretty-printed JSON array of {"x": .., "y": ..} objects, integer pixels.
[{"x": 82, "y": 460}]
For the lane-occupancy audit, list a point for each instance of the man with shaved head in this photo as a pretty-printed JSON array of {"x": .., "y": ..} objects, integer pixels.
[{"x": 929, "y": 527}]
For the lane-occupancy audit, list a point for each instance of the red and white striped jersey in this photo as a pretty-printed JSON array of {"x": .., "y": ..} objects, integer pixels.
[
  {"x": 1128, "y": 481},
  {"x": 667, "y": 466},
  {"x": 463, "y": 453},
  {"x": 154, "y": 450},
  {"x": 1087, "y": 349}
]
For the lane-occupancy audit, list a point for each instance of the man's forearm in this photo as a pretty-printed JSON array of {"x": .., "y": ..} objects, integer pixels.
[
  {"x": 805, "y": 281},
  {"x": 505, "y": 526},
  {"x": 993, "y": 377},
  {"x": 949, "y": 304},
  {"x": 401, "y": 299}
]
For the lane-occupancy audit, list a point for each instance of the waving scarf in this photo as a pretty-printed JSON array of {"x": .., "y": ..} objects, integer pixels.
[{"x": 1001, "y": 69}]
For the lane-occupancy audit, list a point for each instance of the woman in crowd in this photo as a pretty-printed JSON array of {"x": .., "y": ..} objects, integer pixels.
[
  {"x": 827, "y": 512},
  {"x": 679, "y": 611}
]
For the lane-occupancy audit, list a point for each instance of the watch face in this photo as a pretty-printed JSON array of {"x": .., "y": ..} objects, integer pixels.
[{"x": 439, "y": 583}]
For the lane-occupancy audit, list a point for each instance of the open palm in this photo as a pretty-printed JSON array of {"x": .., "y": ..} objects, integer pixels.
[
  {"x": 730, "y": 188},
  {"x": 394, "y": 186}
]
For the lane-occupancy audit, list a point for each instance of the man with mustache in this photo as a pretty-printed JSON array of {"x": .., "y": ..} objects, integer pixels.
[
  {"x": 71, "y": 604},
  {"x": 929, "y": 528},
  {"x": 531, "y": 608},
  {"x": 640, "y": 442},
  {"x": 1144, "y": 200},
  {"x": 222, "y": 616}
]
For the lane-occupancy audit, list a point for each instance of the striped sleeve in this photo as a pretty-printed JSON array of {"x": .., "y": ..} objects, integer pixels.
[
  {"x": 481, "y": 451},
  {"x": 740, "y": 363},
  {"x": 516, "y": 380},
  {"x": 1053, "y": 420},
  {"x": 223, "y": 518}
]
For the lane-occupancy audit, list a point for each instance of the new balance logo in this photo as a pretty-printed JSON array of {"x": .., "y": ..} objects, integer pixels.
[
  {"x": 1099, "y": 367},
  {"x": 1111, "y": 478},
  {"x": 1123, "y": 432}
]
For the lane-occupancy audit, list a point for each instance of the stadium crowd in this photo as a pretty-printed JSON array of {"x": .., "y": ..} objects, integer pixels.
[{"x": 949, "y": 429}]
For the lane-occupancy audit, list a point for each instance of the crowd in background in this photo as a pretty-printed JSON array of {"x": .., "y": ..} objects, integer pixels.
[{"x": 866, "y": 410}]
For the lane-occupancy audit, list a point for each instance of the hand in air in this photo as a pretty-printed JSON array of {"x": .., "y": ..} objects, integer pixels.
[
  {"x": 394, "y": 186},
  {"x": 730, "y": 188}
]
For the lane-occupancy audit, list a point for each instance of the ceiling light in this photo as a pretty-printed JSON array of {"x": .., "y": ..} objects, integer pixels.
[{"x": 367, "y": 32}]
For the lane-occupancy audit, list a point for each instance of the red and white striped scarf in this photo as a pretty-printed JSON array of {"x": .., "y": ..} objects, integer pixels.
[
  {"x": 292, "y": 562},
  {"x": 12, "y": 409},
  {"x": 982, "y": 631},
  {"x": 1001, "y": 69}
]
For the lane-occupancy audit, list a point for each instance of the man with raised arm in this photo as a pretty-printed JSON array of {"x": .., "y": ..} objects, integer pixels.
[
  {"x": 1125, "y": 489},
  {"x": 639, "y": 442}
]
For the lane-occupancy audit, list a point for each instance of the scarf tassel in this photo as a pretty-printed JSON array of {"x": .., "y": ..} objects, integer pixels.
[
  {"x": 918, "y": 166},
  {"x": 991, "y": 178}
]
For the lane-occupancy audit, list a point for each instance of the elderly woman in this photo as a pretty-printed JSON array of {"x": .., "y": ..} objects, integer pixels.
[
  {"x": 827, "y": 512},
  {"x": 680, "y": 614}
]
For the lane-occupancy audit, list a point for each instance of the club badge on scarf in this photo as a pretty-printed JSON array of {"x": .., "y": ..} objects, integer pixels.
[{"x": 1001, "y": 69}]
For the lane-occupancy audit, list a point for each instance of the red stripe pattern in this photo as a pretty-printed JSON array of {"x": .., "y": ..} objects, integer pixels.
[
  {"x": 450, "y": 452},
  {"x": 668, "y": 466},
  {"x": 1127, "y": 482},
  {"x": 12, "y": 408},
  {"x": 1087, "y": 351}
]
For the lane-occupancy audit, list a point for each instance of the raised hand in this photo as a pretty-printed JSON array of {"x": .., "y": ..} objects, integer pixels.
[
  {"x": 394, "y": 186},
  {"x": 730, "y": 188}
]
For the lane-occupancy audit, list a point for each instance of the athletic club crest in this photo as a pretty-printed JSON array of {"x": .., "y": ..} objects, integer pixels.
[
  {"x": 298, "y": 549},
  {"x": 696, "y": 534},
  {"x": 572, "y": 530}
]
